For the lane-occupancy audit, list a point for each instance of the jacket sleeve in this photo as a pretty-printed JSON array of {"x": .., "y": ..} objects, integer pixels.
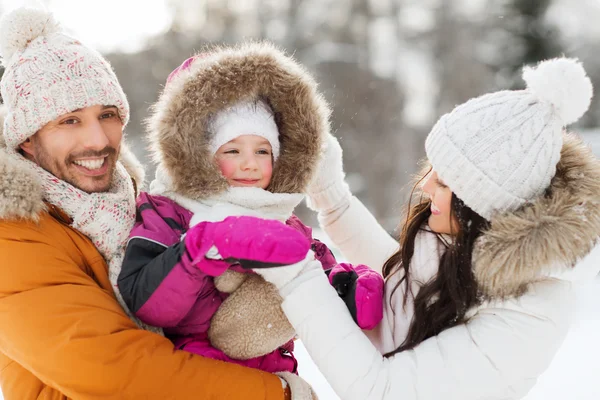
[
  {"x": 503, "y": 348},
  {"x": 158, "y": 281},
  {"x": 70, "y": 333},
  {"x": 358, "y": 235},
  {"x": 322, "y": 252}
]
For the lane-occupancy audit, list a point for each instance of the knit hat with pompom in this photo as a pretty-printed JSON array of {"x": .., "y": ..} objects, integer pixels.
[
  {"x": 499, "y": 151},
  {"x": 48, "y": 74}
]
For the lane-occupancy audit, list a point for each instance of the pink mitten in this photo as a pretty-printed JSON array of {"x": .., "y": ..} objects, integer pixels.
[
  {"x": 248, "y": 241},
  {"x": 361, "y": 288}
]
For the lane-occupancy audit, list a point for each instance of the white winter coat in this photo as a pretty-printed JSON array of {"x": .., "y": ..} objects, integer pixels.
[{"x": 528, "y": 266}]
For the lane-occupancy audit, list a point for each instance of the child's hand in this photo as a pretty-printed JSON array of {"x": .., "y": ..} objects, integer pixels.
[
  {"x": 361, "y": 288},
  {"x": 251, "y": 242}
]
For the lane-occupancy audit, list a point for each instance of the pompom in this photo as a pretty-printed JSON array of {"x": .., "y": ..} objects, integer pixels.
[
  {"x": 22, "y": 25},
  {"x": 563, "y": 83}
]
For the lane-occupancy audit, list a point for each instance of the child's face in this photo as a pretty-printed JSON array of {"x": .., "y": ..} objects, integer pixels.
[{"x": 246, "y": 161}]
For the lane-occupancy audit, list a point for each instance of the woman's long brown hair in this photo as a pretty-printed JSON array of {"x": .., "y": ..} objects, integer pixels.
[{"x": 443, "y": 301}]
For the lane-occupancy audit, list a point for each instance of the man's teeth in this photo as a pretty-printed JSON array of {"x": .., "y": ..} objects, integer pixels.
[{"x": 90, "y": 164}]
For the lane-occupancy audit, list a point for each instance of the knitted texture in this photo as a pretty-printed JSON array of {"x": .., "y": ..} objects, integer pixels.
[
  {"x": 244, "y": 118},
  {"x": 105, "y": 218},
  {"x": 499, "y": 151},
  {"x": 48, "y": 74}
]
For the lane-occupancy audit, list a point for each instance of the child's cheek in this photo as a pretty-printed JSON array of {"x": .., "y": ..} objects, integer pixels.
[
  {"x": 267, "y": 169},
  {"x": 227, "y": 167}
]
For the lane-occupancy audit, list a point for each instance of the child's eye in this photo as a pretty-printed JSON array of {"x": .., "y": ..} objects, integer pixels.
[
  {"x": 231, "y": 151},
  {"x": 264, "y": 152}
]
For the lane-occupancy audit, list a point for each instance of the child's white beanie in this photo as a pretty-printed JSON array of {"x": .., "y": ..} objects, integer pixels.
[
  {"x": 499, "y": 151},
  {"x": 244, "y": 118},
  {"x": 48, "y": 74}
]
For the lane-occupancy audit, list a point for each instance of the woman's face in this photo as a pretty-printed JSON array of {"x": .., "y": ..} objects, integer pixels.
[{"x": 441, "y": 220}]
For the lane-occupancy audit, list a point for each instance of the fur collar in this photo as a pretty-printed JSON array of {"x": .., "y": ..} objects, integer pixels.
[
  {"x": 547, "y": 236},
  {"x": 219, "y": 78},
  {"x": 20, "y": 187}
]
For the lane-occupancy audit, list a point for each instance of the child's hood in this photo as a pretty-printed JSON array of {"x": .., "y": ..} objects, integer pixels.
[{"x": 219, "y": 78}]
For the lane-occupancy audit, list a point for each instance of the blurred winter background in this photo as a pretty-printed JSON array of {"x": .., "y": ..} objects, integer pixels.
[{"x": 389, "y": 68}]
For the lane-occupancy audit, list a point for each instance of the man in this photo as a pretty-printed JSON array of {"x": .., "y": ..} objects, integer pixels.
[{"x": 66, "y": 208}]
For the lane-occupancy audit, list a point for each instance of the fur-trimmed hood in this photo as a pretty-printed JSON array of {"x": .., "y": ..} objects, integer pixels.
[
  {"x": 21, "y": 194},
  {"x": 547, "y": 236},
  {"x": 217, "y": 79}
]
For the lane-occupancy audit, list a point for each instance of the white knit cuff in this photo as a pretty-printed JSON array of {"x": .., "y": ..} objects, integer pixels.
[{"x": 329, "y": 199}]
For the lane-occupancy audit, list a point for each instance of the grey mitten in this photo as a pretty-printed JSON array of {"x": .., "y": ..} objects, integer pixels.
[{"x": 299, "y": 388}]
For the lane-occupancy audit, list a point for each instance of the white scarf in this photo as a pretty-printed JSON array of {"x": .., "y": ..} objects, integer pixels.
[
  {"x": 248, "y": 201},
  {"x": 105, "y": 218}
]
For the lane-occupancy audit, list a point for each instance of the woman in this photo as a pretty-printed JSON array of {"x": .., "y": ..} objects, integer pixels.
[{"x": 479, "y": 294}]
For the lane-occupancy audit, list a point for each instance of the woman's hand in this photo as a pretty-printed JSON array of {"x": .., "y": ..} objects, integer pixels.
[{"x": 328, "y": 191}]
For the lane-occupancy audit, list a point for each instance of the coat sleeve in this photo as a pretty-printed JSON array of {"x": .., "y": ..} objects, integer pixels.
[
  {"x": 503, "y": 348},
  {"x": 71, "y": 334},
  {"x": 158, "y": 281},
  {"x": 322, "y": 252},
  {"x": 358, "y": 235},
  {"x": 160, "y": 284}
]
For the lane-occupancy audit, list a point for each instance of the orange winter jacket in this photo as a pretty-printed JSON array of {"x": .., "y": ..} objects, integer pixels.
[{"x": 64, "y": 336}]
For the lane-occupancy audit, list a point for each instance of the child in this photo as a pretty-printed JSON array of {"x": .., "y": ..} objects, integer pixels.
[{"x": 236, "y": 132}]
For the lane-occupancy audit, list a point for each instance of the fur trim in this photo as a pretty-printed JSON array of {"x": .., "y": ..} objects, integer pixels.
[
  {"x": 250, "y": 322},
  {"x": 218, "y": 79},
  {"x": 20, "y": 188},
  {"x": 547, "y": 236},
  {"x": 21, "y": 195},
  {"x": 133, "y": 166}
]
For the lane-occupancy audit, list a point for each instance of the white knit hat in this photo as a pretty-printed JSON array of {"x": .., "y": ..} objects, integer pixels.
[
  {"x": 244, "y": 118},
  {"x": 49, "y": 74},
  {"x": 499, "y": 151}
]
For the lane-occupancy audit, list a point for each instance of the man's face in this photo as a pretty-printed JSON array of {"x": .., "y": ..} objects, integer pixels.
[{"x": 81, "y": 147}]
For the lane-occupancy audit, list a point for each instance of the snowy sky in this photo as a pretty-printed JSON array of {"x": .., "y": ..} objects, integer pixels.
[
  {"x": 108, "y": 24},
  {"x": 124, "y": 24}
]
